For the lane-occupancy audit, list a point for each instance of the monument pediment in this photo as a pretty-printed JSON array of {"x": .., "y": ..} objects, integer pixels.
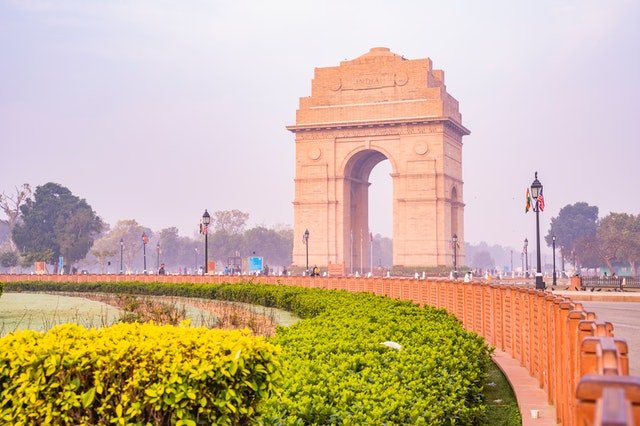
[{"x": 378, "y": 87}]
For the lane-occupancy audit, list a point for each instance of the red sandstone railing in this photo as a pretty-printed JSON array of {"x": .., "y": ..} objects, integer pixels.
[{"x": 574, "y": 357}]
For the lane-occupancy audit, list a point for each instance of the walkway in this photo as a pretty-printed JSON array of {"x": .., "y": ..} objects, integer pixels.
[{"x": 527, "y": 391}]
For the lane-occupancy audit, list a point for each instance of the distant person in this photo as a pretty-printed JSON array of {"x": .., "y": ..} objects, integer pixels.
[
  {"x": 315, "y": 272},
  {"x": 161, "y": 271}
]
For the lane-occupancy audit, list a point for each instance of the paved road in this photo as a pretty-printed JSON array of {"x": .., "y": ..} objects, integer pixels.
[{"x": 625, "y": 317}]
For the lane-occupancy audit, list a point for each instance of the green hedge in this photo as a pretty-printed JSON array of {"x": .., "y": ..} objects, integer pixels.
[{"x": 335, "y": 369}]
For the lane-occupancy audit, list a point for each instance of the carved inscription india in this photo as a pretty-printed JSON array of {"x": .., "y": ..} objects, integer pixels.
[{"x": 372, "y": 81}]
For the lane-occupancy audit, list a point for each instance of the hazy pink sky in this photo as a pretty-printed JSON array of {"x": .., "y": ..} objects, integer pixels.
[{"x": 156, "y": 110}]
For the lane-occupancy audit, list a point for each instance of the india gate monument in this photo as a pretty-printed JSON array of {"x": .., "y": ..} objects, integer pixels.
[{"x": 375, "y": 107}]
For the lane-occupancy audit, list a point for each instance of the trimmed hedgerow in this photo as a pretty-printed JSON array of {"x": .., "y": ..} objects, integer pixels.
[
  {"x": 335, "y": 369},
  {"x": 134, "y": 374}
]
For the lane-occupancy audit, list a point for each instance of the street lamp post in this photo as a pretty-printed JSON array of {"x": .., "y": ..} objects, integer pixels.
[
  {"x": 145, "y": 240},
  {"x": 121, "y": 250},
  {"x": 206, "y": 220},
  {"x": 526, "y": 258},
  {"x": 371, "y": 253},
  {"x": 305, "y": 237},
  {"x": 512, "y": 262},
  {"x": 536, "y": 191},
  {"x": 158, "y": 256},
  {"x": 553, "y": 243},
  {"x": 454, "y": 242}
]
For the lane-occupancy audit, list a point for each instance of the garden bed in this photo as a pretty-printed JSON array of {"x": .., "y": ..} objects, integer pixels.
[{"x": 340, "y": 364}]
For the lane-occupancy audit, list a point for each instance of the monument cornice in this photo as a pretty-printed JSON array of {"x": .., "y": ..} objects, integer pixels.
[{"x": 360, "y": 124}]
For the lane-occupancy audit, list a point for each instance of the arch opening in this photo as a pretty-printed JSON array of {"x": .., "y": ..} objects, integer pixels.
[
  {"x": 381, "y": 215},
  {"x": 364, "y": 208}
]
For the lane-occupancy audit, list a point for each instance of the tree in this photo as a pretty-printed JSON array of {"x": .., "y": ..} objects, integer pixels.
[
  {"x": 10, "y": 205},
  {"x": 102, "y": 250},
  {"x": 223, "y": 245},
  {"x": 175, "y": 251},
  {"x": 9, "y": 259},
  {"x": 56, "y": 223},
  {"x": 574, "y": 223},
  {"x": 5, "y": 235},
  {"x": 619, "y": 238},
  {"x": 130, "y": 232},
  {"x": 593, "y": 252},
  {"x": 483, "y": 260},
  {"x": 501, "y": 255},
  {"x": 382, "y": 251},
  {"x": 275, "y": 247},
  {"x": 230, "y": 221}
]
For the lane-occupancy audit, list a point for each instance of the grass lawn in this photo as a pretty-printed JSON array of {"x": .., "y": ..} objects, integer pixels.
[{"x": 502, "y": 407}]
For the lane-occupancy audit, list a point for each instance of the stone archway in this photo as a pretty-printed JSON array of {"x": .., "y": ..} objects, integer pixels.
[
  {"x": 356, "y": 212},
  {"x": 378, "y": 106}
]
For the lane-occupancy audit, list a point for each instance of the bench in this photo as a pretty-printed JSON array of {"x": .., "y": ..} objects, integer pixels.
[{"x": 599, "y": 283}]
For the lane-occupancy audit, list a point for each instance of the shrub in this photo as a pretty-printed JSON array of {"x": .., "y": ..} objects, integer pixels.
[
  {"x": 335, "y": 369},
  {"x": 134, "y": 373}
]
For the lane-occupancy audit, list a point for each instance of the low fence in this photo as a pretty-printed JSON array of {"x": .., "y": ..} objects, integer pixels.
[
  {"x": 598, "y": 283},
  {"x": 606, "y": 283},
  {"x": 573, "y": 356}
]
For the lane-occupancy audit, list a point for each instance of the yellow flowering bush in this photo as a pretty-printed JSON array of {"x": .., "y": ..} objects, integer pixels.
[{"x": 134, "y": 373}]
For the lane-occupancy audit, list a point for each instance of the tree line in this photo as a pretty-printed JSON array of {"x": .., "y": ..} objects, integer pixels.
[
  {"x": 51, "y": 222},
  {"x": 590, "y": 242},
  {"x": 582, "y": 238}
]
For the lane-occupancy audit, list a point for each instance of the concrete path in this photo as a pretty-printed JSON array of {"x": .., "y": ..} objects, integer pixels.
[{"x": 528, "y": 393}]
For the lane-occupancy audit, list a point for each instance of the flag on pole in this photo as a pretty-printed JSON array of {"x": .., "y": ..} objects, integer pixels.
[
  {"x": 528, "y": 205},
  {"x": 540, "y": 201},
  {"x": 204, "y": 229}
]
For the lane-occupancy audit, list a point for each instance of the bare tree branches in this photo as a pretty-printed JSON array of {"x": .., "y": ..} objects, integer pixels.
[{"x": 10, "y": 205}]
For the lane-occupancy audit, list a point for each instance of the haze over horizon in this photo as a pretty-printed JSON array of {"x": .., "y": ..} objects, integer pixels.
[{"x": 155, "y": 111}]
